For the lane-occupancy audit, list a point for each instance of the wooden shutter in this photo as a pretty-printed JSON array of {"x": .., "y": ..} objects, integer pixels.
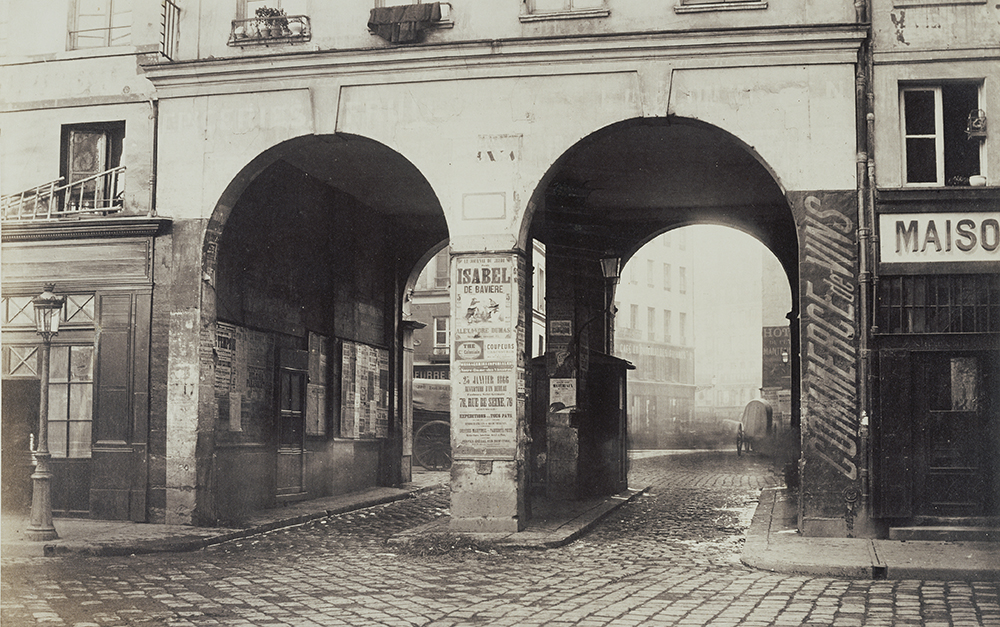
[{"x": 893, "y": 459}]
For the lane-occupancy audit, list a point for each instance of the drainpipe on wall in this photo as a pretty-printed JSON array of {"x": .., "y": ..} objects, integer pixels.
[
  {"x": 866, "y": 221},
  {"x": 154, "y": 115}
]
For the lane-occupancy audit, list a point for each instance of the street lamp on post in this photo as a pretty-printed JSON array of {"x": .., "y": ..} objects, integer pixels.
[
  {"x": 48, "y": 308},
  {"x": 610, "y": 268}
]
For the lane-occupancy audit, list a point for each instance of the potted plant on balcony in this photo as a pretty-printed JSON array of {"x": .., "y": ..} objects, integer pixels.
[{"x": 271, "y": 22}]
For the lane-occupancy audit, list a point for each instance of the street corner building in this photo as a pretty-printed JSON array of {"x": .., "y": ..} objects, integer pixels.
[{"x": 237, "y": 200}]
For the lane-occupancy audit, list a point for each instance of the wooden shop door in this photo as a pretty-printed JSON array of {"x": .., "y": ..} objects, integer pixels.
[{"x": 290, "y": 477}]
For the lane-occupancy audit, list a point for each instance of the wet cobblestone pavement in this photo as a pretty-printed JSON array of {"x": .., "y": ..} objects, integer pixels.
[{"x": 671, "y": 557}]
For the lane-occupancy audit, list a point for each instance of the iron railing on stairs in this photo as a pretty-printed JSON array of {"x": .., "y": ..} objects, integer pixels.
[{"x": 97, "y": 195}]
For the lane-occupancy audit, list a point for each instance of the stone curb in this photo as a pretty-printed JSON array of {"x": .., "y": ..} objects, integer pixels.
[
  {"x": 186, "y": 542},
  {"x": 772, "y": 545},
  {"x": 564, "y": 526}
]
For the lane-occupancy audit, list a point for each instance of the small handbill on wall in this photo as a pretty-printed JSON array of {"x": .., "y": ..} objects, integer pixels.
[
  {"x": 364, "y": 409},
  {"x": 243, "y": 384}
]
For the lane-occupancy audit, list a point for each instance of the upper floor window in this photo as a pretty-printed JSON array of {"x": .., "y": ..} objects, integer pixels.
[
  {"x": 936, "y": 148},
  {"x": 101, "y": 23},
  {"x": 442, "y": 337},
  {"x": 442, "y": 263},
  {"x": 556, "y": 9},
  {"x": 290, "y": 7},
  {"x": 696, "y": 6}
]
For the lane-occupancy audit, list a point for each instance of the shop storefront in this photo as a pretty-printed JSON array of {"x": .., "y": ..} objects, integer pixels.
[{"x": 937, "y": 412}]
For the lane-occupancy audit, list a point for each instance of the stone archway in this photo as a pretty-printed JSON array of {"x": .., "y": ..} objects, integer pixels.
[
  {"x": 617, "y": 188},
  {"x": 304, "y": 264}
]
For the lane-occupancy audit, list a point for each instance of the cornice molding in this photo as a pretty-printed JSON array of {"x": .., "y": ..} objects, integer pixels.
[
  {"x": 836, "y": 43},
  {"x": 81, "y": 229}
]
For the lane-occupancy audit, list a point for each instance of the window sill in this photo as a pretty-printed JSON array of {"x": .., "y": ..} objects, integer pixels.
[
  {"x": 933, "y": 3},
  {"x": 564, "y": 15},
  {"x": 720, "y": 6}
]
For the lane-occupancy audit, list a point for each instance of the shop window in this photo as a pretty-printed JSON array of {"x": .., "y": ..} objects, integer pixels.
[
  {"x": 101, "y": 23},
  {"x": 936, "y": 148},
  {"x": 71, "y": 401},
  {"x": 963, "y": 303}
]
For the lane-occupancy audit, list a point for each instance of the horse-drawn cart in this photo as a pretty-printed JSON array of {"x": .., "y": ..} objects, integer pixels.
[
  {"x": 432, "y": 423},
  {"x": 757, "y": 431}
]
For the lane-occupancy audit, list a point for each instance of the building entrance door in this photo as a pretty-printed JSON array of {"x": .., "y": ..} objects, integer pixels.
[
  {"x": 956, "y": 404},
  {"x": 290, "y": 482}
]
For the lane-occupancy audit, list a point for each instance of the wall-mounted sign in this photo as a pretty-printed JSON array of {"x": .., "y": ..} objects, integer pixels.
[{"x": 939, "y": 237}]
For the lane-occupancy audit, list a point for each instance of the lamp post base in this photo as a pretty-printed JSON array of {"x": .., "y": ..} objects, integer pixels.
[{"x": 40, "y": 527}]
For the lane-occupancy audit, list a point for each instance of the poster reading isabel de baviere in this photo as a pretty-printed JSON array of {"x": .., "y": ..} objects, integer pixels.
[{"x": 485, "y": 357}]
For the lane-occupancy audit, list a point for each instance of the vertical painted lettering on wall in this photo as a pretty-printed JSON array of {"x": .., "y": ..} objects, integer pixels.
[
  {"x": 829, "y": 347},
  {"x": 484, "y": 357}
]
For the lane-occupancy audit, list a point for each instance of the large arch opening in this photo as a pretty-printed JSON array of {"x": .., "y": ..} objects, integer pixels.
[
  {"x": 612, "y": 193},
  {"x": 307, "y": 259}
]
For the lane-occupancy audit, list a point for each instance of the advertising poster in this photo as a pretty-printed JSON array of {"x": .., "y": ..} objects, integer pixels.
[
  {"x": 485, "y": 358},
  {"x": 364, "y": 391}
]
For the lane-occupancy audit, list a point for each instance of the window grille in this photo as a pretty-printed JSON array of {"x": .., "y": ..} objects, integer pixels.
[{"x": 944, "y": 303}]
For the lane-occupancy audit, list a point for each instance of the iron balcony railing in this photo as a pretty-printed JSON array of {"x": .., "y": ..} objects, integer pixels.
[
  {"x": 259, "y": 31},
  {"x": 169, "y": 21},
  {"x": 99, "y": 194}
]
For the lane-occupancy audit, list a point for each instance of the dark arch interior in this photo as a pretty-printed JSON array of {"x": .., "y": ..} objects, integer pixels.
[
  {"x": 330, "y": 220},
  {"x": 620, "y": 186}
]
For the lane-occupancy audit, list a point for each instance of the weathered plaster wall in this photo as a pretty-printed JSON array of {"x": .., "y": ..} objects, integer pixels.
[
  {"x": 206, "y": 141},
  {"x": 484, "y": 144},
  {"x": 887, "y": 80},
  {"x": 344, "y": 26},
  {"x": 796, "y": 118},
  {"x": 30, "y": 145},
  {"x": 966, "y": 29}
]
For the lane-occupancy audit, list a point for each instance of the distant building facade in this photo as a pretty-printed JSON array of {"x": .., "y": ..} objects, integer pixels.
[
  {"x": 727, "y": 310},
  {"x": 654, "y": 330}
]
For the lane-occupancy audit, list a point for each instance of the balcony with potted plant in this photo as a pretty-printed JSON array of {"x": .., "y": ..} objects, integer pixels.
[{"x": 270, "y": 26}]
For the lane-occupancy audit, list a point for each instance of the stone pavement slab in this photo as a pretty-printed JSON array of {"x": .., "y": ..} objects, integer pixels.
[{"x": 774, "y": 544}]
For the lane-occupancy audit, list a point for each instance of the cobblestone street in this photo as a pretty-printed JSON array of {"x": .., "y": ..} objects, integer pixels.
[{"x": 671, "y": 557}]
